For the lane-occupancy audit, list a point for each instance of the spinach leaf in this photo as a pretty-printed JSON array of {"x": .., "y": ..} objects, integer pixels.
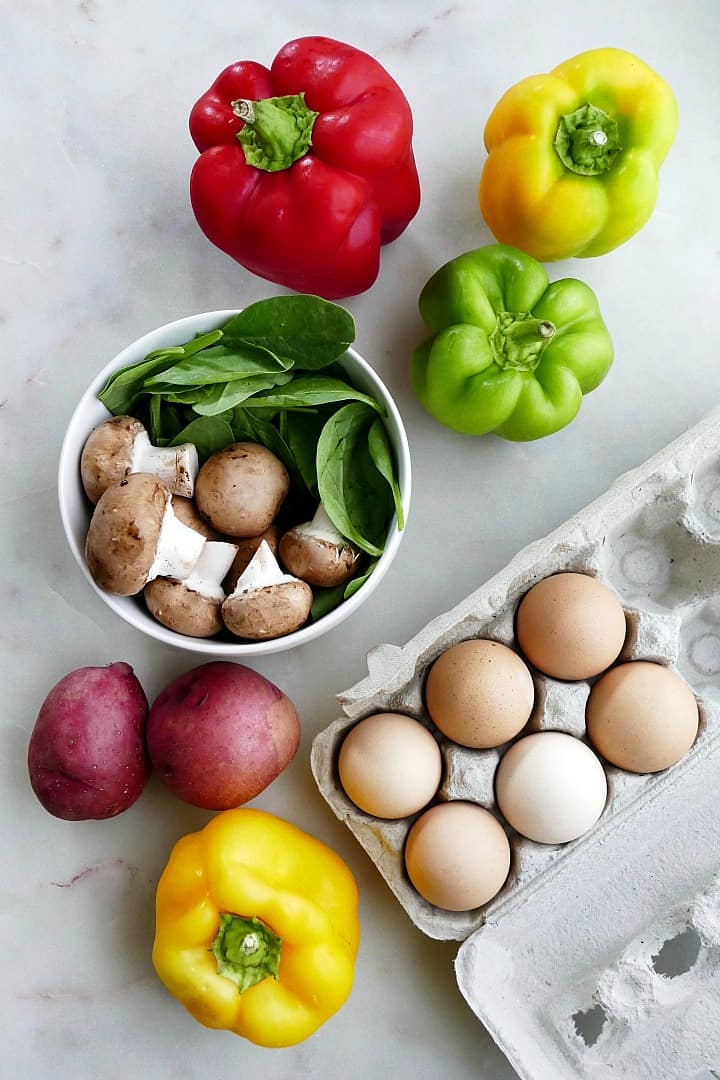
[
  {"x": 310, "y": 390},
  {"x": 381, "y": 453},
  {"x": 190, "y": 348},
  {"x": 124, "y": 386},
  {"x": 122, "y": 389},
  {"x": 156, "y": 431},
  {"x": 355, "y": 583},
  {"x": 324, "y": 600},
  {"x": 302, "y": 434},
  {"x": 209, "y": 433},
  {"x": 353, "y": 492},
  {"x": 172, "y": 423},
  {"x": 217, "y": 365},
  {"x": 223, "y": 396},
  {"x": 305, "y": 330}
]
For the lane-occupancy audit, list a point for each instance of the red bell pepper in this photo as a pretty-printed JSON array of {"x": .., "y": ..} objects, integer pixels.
[{"x": 305, "y": 169}]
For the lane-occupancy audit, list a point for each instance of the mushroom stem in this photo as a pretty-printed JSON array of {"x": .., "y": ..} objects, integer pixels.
[
  {"x": 266, "y": 603},
  {"x": 322, "y": 527},
  {"x": 210, "y": 569},
  {"x": 178, "y": 466},
  {"x": 178, "y": 549},
  {"x": 262, "y": 570},
  {"x": 192, "y": 606}
]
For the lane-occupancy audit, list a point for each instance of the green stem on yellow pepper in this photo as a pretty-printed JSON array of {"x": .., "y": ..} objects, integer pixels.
[
  {"x": 587, "y": 141},
  {"x": 246, "y": 950}
]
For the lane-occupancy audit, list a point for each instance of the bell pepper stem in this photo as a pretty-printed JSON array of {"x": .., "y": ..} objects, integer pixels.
[
  {"x": 587, "y": 141},
  {"x": 246, "y": 950},
  {"x": 276, "y": 131},
  {"x": 519, "y": 340}
]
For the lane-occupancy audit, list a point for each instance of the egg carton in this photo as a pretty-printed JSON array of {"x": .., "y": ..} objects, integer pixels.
[{"x": 559, "y": 964}]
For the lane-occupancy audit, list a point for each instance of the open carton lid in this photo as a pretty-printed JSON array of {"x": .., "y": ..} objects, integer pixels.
[{"x": 610, "y": 964}]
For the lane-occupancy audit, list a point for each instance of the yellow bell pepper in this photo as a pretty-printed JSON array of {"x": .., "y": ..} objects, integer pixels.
[
  {"x": 573, "y": 156},
  {"x": 256, "y": 928}
]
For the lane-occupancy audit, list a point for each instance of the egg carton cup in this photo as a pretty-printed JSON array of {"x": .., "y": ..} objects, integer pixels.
[{"x": 654, "y": 538}]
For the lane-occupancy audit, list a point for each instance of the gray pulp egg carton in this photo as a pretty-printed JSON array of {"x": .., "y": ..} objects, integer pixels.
[{"x": 602, "y": 956}]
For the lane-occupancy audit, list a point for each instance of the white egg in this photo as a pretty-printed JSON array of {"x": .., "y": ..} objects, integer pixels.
[{"x": 551, "y": 787}]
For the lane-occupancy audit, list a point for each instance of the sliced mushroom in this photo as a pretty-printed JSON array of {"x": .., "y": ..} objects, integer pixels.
[
  {"x": 316, "y": 552},
  {"x": 121, "y": 446},
  {"x": 186, "y": 511},
  {"x": 245, "y": 552},
  {"x": 266, "y": 603},
  {"x": 192, "y": 606},
  {"x": 241, "y": 488},
  {"x": 134, "y": 537}
]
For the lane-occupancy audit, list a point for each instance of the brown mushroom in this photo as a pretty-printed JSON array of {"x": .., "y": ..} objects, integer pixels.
[
  {"x": 245, "y": 551},
  {"x": 266, "y": 603},
  {"x": 241, "y": 488},
  {"x": 134, "y": 537},
  {"x": 186, "y": 511},
  {"x": 316, "y": 552},
  {"x": 121, "y": 446},
  {"x": 192, "y": 606}
]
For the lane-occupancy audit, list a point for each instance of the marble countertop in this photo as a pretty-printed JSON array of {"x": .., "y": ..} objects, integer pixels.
[{"x": 98, "y": 246}]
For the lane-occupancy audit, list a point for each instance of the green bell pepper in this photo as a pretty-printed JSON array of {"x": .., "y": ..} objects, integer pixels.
[{"x": 510, "y": 352}]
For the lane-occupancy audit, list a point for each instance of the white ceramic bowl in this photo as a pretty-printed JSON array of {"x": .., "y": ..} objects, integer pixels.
[{"x": 75, "y": 509}]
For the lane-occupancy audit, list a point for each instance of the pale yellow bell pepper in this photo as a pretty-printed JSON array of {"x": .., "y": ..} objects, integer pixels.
[{"x": 574, "y": 156}]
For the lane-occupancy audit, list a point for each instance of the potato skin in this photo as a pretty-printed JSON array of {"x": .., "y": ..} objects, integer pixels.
[
  {"x": 87, "y": 757},
  {"x": 220, "y": 733}
]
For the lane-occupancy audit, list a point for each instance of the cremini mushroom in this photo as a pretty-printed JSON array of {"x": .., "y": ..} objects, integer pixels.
[
  {"x": 186, "y": 511},
  {"x": 192, "y": 606},
  {"x": 266, "y": 603},
  {"x": 134, "y": 537},
  {"x": 121, "y": 446},
  {"x": 316, "y": 552},
  {"x": 245, "y": 551},
  {"x": 241, "y": 488}
]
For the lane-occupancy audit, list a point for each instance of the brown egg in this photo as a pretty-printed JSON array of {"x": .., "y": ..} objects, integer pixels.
[
  {"x": 479, "y": 693},
  {"x": 642, "y": 717},
  {"x": 390, "y": 765},
  {"x": 570, "y": 626},
  {"x": 457, "y": 856}
]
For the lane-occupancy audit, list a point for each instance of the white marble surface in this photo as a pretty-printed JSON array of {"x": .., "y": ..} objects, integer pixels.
[{"x": 99, "y": 245}]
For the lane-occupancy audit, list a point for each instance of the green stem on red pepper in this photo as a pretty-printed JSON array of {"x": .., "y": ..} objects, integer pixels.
[{"x": 276, "y": 131}]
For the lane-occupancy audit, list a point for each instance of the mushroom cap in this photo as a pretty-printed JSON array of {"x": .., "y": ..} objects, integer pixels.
[
  {"x": 124, "y": 531},
  {"x": 186, "y": 511},
  {"x": 241, "y": 488},
  {"x": 180, "y": 609},
  {"x": 246, "y": 550},
  {"x": 107, "y": 454},
  {"x": 315, "y": 560},
  {"x": 268, "y": 612}
]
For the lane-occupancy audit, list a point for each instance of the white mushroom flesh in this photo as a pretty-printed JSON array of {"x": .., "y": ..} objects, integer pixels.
[
  {"x": 322, "y": 527},
  {"x": 262, "y": 571},
  {"x": 210, "y": 569},
  {"x": 178, "y": 466},
  {"x": 178, "y": 550}
]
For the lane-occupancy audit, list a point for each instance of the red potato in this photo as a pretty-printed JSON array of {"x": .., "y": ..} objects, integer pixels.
[
  {"x": 220, "y": 734},
  {"x": 87, "y": 756}
]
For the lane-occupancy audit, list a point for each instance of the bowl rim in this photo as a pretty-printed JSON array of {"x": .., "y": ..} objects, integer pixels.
[{"x": 127, "y": 607}]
